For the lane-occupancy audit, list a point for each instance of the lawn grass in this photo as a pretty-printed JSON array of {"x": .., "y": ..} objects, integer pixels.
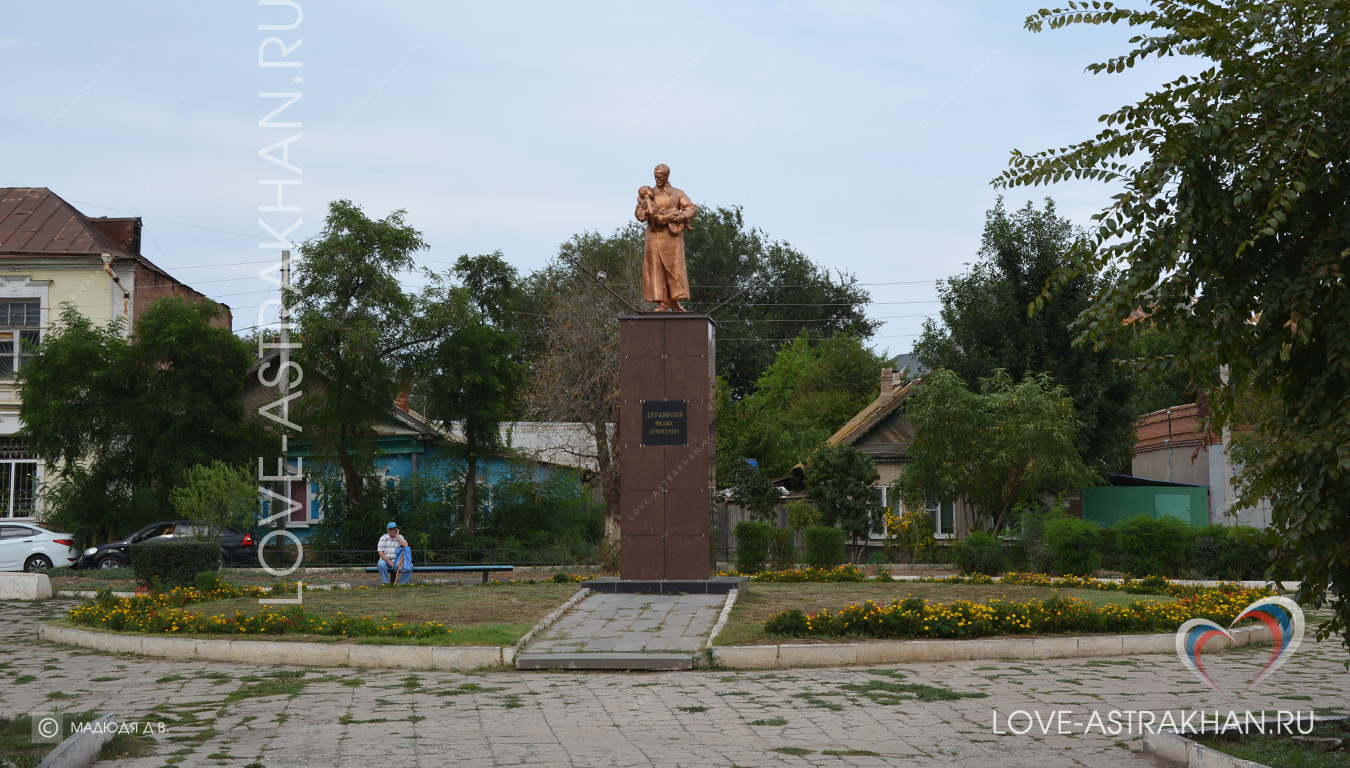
[
  {"x": 1284, "y": 752},
  {"x": 476, "y": 615},
  {"x": 745, "y": 626}
]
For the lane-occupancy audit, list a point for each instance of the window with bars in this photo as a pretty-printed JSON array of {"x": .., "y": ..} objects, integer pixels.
[
  {"x": 19, "y": 333},
  {"x": 18, "y": 478}
]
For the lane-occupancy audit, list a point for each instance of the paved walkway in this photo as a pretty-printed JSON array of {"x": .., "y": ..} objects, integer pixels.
[
  {"x": 250, "y": 715},
  {"x": 617, "y": 623}
]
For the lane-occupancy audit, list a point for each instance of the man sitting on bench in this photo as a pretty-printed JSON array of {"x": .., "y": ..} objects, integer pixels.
[{"x": 395, "y": 557}]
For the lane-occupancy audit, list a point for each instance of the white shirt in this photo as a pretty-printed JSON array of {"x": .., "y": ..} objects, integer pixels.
[{"x": 389, "y": 546}]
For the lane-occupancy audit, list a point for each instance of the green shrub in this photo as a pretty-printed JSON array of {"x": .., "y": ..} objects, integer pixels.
[
  {"x": 1150, "y": 546},
  {"x": 802, "y": 515},
  {"x": 824, "y": 546},
  {"x": 209, "y": 581},
  {"x": 752, "y": 546},
  {"x": 173, "y": 563},
  {"x": 1231, "y": 553},
  {"x": 979, "y": 553},
  {"x": 1073, "y": 545},
  {"x": 782, "y": 551}
]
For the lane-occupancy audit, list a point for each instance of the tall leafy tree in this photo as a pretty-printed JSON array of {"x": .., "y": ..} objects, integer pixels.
[
  {"x": 360, "y": 329},
  {"x": 1005, "y": 445},
  {"x": 119, "y": 421},
  {"x": 475, "y": 376},
  {"x": 810, "y": 390},
  {"x": 985, "y": 327},
  {"x": 1230, "y": 225},
  {"x": 840, "y": 478}
]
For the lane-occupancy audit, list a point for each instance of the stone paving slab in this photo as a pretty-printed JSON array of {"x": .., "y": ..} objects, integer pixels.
[
  {"x": 651, "y": 662},
  {"x": 838, "y": 717},
  {"x": 632, "y": 623}
]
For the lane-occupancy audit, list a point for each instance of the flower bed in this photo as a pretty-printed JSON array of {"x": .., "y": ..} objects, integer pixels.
[
  {"x": 918, "y": 618},
  {"x": 163, "y": 613}
]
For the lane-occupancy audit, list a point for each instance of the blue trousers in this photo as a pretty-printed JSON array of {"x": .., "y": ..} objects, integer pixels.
[{"x": 402, "y": 563}]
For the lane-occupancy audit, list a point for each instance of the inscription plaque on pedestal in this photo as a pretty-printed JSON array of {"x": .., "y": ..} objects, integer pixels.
[
  {"x": 667, "y": 456},
  {"x": 664, "y": 422}
]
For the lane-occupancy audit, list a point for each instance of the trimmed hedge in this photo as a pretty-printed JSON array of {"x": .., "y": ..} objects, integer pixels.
[
  {"x": 1148, "y": 546},
  {"x": 173, "y": 563},
  {"x": 1073, "y": 546},
  {"x": 978, "y": 553},
  {"x": 824, "y": 546},
  {"x": 752, "y": 546},
  {"x": 782, "y": 552},
  {"x": 1236, "y": 552}
]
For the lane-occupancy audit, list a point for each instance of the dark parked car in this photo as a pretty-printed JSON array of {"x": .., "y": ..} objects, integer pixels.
[{"x": 236, "y": 549}]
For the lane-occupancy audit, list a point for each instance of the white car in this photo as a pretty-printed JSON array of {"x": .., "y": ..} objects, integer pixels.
[{"x": 34, "y": 547}]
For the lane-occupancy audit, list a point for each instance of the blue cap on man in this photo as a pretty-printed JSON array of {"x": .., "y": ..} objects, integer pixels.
[{"x": 391, "y": 526}]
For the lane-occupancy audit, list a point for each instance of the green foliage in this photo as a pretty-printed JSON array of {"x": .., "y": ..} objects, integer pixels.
[
  {"x": 209, "y": 581},
  {"x": 1000, "y": 448},
  {"x": 910, "y": 532},
  {"x": 810, "y": 390},
  {"x": 1149, "y": 546},
  {"x": 1073, "y": 545},
  {"x": 1232, "y": 552},
  {"x": 802, "y": 514},
  {"x": 753, "y": 489},
  {"x": 782, "y": 550},
  {"x": 474, "y": 375},
  {"x": 217, "y": 496},
  {"x": 823, "y": 547},
  {"x": 120, "y": 421},
  {"x": 1157, "y": 383},
  {"x": 978, "y": 553},
  {"x": 1228, "y": 212},
  {"x": 361, "y": 331},
  {"x": 752, "y": 546},
  {"x": 839, "y": 478},
  {"x": 175, "y": 563},
  {"x": 985, "y": 328}
]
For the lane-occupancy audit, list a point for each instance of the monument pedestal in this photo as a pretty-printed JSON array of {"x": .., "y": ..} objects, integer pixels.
[{"x": 666, "y": 464}]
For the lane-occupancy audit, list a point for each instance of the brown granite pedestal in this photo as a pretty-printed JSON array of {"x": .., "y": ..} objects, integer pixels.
[{"x": 666, "y": 462}]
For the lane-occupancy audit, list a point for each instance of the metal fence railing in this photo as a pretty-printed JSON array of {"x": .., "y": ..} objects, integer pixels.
[{"x": 284, "y": 556}]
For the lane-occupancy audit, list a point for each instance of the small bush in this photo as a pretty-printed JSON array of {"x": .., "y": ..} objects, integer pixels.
[
  {"x": 979, "y": 553},
  {"x": 173, "y": 563},
  {"x": 1073, "y": 545},
  {"x": 824, "y": 546},
  {"x": 1236, "y": 553},
  {"x": 1153, "y": 546},
  {"x": 782, "y": 551},
  {"x": 802, "y": 515},
  {"x": 209, "y": 581},
  {"x": 752, "y": 546}
]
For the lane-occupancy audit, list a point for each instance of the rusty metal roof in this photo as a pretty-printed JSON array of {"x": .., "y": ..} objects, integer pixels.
[{"x": 36, "y": 221}]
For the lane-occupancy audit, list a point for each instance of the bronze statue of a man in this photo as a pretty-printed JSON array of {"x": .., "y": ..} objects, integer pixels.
[{"x": 668, "y": 213}]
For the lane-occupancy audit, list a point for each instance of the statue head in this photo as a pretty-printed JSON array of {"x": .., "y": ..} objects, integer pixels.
[{"x": 662, "y": 174}]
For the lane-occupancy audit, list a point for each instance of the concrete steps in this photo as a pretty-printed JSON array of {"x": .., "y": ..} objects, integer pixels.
[{"x": 663, "y": 662}]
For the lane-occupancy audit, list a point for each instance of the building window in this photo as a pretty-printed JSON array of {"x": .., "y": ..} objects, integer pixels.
[
  {"x": 944, "y": 517},
  {"x": 879, "y": 523},
  {"x": 19, "y": 334},
  {"x": 18, "y": 478}
]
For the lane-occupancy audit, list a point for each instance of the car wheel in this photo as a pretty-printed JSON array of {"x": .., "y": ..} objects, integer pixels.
[
  {"x": 111, "y": 561},
  {"x": 37, "y": 563}
]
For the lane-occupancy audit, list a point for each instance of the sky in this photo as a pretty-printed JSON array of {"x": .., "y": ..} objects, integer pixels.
[{"x": 865, "y": 134}]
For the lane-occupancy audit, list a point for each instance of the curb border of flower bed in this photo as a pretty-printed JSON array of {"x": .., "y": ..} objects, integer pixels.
[
  {"x": 309, "y": 654},
  {"x": 796, "y": 655}
]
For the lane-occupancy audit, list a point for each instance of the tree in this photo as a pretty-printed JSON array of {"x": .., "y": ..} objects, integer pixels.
[
  {"x": 985, "y": 327},
  {"x": 810, "y": 390},
  {"x": 119, "y": 421},
  {"x": 788, "y": 295},
  {"x": 840, "y": 479},
  {"x": 575, "y": 376},
  {"x": 1230, "y": 227},
  {"x": 474, "y": 376},
  {"x": 1001, "y": 447},
  {"x": 1158, "y": 382},
  {"x": 217, "y": 496},
  {"x": 753, "y": 489},
  {"x": 360, "y": 329}
]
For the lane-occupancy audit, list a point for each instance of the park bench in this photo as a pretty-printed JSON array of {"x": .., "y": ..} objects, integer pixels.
[{"x": 486, "y": 569}]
